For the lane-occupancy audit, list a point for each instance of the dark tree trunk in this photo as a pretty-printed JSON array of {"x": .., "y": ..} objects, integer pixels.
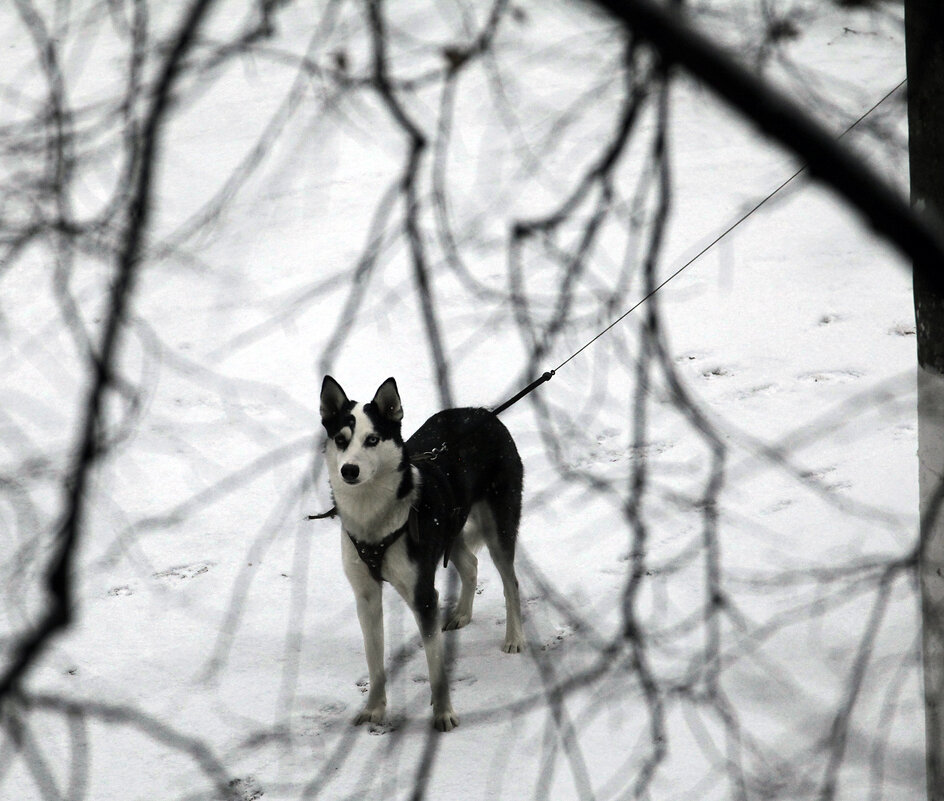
[
  {"x": 924, "y": 35},
  {"x": 924, "y": 32}
]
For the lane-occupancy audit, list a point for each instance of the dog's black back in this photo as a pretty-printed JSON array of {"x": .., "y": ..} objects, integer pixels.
[{"x": 479, "y": 463}]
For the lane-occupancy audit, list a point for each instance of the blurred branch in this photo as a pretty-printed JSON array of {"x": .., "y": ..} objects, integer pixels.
[
  {"x": 416, "y": 146},
  {"x": 886, "y": 211},
  {"x": 80, "y": 710},
  {"x": 88, "y": 449}
]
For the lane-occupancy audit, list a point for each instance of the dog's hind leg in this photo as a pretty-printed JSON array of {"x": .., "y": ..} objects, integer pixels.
[
  {"x": 514, "y": 632},
  {"x": 467, "y": 566},
  {"x": 500, "y": 539}
]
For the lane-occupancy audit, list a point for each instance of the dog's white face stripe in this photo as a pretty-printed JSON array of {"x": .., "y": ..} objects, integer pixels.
[
  {"x": 377, "y": 475},
  {"x": 365, "y": 450}
]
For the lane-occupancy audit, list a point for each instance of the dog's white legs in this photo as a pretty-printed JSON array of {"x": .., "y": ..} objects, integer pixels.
[
  {"x": 514, "y": 632},
  {"x": 368, "y": 596},
  {"x": 444, "y": 717},
  {"x": 370, "y": 615},
  {"x": 420, "y": 594},
  {"x": 499, "y": 524},
  {"x": 467, "y": 566}
]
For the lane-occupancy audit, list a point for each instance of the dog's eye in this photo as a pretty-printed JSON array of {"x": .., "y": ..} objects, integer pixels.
[
  {"x": 340, "y": 441},
  {"x": 371, "y": 440}
]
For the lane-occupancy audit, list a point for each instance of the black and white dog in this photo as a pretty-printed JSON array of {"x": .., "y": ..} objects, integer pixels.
[{"x": 406, "y": 507}]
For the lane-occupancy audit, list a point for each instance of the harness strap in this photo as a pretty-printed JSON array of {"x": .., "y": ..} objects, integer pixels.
[{"x": 372, "y": 553}]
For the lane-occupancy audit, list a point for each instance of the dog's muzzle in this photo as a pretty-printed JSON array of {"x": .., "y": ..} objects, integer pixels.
[{"x": 350, "y": 473}]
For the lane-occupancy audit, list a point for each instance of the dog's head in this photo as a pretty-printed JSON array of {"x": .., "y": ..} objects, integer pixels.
[{"x": 364, "y": 440}]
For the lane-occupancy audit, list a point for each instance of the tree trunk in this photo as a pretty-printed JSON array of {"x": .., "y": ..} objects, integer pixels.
[{"x": 924, "y": 36}]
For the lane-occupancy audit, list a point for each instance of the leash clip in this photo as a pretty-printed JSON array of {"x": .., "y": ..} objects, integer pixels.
[{"x": 429, "y": 456}]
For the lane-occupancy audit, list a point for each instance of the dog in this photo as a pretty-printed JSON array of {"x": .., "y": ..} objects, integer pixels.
[{"x": 406, "y": 507}]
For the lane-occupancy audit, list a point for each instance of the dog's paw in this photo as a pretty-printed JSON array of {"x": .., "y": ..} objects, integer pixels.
[
  {"x": 370, "y": 714},
  {"x": 513, "y": 645},
  {"x": 457, "y": 621},
  {"x": 446, "y": 720}
]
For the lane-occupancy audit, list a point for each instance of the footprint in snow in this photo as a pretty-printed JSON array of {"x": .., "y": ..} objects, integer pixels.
[
  {"x": 904, "y": 431},
  {"x": 326, "y": 716},
  {"x": 819, "y": 477},
  {"x": 563, "y": 633},
  {"x": 708, "y": 373},
  {"x": 830, "y": 376},
  {"x": 245, "y": 789},
  {"x": 903, "y": 330},
  {"x": 387, "y": 727},
  {"x": 716, "y": 372},
  {"x": 758, "y": 390},
  {"x": 182, "y": 572},
  {"x": 778, "y": 506}
]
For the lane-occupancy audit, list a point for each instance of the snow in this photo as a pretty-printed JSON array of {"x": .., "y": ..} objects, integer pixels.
[{"x": 216, "y": 638}]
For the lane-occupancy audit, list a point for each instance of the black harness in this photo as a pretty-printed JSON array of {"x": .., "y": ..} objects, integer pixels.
[{"x": 372, "y": 553}]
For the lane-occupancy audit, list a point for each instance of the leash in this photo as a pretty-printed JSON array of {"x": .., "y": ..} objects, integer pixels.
[
  {"x": 431, "y": 455},
  {"x": 532, "y": 386},
  {"x": 705, "y": 249},
  {"x": 332, "y": 512}
]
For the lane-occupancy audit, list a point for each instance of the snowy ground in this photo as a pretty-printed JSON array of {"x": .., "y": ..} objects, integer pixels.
[{"x": 216, "y": 638}]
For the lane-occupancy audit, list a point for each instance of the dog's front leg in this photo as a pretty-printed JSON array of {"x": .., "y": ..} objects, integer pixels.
[
  {"x": 368, "y": 595},
  {"x": 427, "y": 617},
  {"x": 416, "y": 586}
]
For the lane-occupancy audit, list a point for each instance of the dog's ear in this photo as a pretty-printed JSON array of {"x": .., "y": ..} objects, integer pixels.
[
  {"x": 387, "y": 401},
  {"x": 332, "y": 398}
]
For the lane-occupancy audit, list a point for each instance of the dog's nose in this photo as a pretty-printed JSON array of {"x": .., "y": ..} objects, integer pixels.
[{"x": 350, "y": 472}]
